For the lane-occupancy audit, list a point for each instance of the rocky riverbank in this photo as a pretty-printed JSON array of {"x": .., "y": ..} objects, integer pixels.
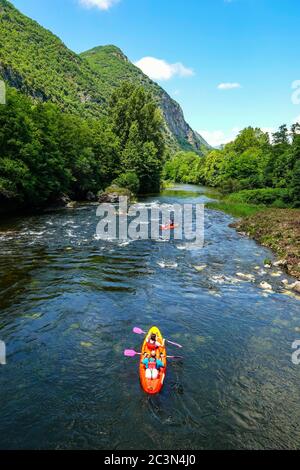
[
  {"x": 9, "y": 207},
  {"x": 278, "y": 229}
]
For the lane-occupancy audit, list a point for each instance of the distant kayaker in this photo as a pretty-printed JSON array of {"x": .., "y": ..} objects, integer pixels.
[
  {"x": 153, "y": 344},
  {"x": 153, "y": 365}
]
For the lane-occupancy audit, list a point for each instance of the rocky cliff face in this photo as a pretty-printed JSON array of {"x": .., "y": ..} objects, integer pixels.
[
  {"x": 110, "y": 62},
  {"x": 184, "y": 134}
]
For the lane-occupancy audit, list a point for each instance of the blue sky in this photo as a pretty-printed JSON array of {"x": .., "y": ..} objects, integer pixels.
[{"x": 229, "y": 63}]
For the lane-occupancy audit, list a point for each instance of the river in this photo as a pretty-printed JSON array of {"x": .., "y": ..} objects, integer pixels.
[{"x": 68, "y": 305}]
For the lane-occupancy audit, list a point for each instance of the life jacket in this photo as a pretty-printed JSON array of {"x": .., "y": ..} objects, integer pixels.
[
  {"x": 152, "y": 346},
  {"x": 152, "y": 364}
]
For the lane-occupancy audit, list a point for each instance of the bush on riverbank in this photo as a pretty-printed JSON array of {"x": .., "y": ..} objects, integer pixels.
[
  {"x": 129, "y": 181},
  {"x": 278, "y": 197}
]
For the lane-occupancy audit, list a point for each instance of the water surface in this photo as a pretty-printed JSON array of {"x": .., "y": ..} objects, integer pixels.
[{"x": 69, "y": 302}]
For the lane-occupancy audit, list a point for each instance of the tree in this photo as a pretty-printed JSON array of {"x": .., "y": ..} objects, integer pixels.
[
  {"x": 295, "y": 185},
  {"x": 184, "y": 167},
  {"x": 137, "y": 123}
]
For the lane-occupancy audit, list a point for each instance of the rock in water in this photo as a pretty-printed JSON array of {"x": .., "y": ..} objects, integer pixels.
[
  {"x": 247, "y": 277},
  {"x": 296, "y": 287},
  {"x": 200, "y": 268},
  {"x": 280, "y": 263},
  {"x": 113, "y": 193},
  {"x": 265, "y": 285}
]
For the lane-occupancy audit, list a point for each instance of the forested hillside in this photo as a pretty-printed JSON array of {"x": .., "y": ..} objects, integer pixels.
[
  {"x": 114, "y": 66},
  {"x": 36, "y": 62}
]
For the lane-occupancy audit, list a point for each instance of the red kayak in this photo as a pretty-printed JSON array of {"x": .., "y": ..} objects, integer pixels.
[{"x": 169, "y": 227}]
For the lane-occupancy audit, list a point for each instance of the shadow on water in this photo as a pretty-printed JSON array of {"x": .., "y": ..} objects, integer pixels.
[{"x": 69, "y": 303}]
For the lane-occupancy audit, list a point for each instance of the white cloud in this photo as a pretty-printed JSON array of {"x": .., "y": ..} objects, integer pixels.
[
  {"x": 229, "y": 86},
  {"x": 158, "y": 69},
  {"x": 296, "y": 120},
  {"x": 217, "y": 138},
  {"x": 101, "y": 4},
  {"x": 270, "y": 131}
]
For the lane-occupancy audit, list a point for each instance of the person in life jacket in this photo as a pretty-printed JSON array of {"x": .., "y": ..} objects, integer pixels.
[
  {"x": 153, "y": 344},
  {"x": 153, "y": 365},
  {"x": 171, "y": 225},
  {"x": 172, "y": 221}
]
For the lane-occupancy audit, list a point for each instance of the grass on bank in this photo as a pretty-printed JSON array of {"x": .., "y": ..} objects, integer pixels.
[
  {"x": 249, "y": 202},
  {"x": 236, "y": 209}
]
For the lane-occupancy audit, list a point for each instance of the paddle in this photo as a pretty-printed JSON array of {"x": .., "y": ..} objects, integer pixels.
[
  {"x": 132, "y": 353},
  {"x": 138, "y": 331}
]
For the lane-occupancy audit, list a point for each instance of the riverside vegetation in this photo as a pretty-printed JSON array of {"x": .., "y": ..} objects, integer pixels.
[
  {"x": 45, "y": 153},
  {"x": 259, "y": 180}
]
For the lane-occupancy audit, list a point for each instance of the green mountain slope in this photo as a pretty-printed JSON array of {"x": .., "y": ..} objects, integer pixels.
[
  {"x": 114, "y": 67},
  {"x": 35, "y": 61}
]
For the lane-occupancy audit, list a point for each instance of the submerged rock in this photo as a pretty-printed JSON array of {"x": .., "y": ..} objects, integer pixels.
[
  {"x": 265, "y": 285},
  {"x": 276, "y": 274},
  {"x": 247, "y": 277},
  {"x": 200, "y": 268},
  {"x": 163, "y": 265}
]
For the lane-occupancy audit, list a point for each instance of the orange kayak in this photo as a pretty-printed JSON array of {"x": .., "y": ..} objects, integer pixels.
[
  {"x": 153, "y": 386},
  {"x": 169, "y": 227}
]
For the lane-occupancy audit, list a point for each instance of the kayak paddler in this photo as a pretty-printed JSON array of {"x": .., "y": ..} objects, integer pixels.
[
  {"x": 153, "y": 344},
  {"x": 153, "y": 365}
]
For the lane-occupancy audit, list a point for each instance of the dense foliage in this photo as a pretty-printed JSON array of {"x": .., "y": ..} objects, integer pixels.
[
  {"x": 137, "y": 123},
  {"x": 35, "y": 61},
  {"x": 45, "y": 153},
  {"x": 260, "y": 171},
  {"x": 184, "y": 167}
]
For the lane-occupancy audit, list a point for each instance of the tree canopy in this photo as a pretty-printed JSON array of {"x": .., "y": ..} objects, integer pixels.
[
  {"x": 252, "y": 161},
  {"x": 45, "y": 153}
]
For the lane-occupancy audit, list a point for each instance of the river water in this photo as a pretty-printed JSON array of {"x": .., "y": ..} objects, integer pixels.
[{"x": 68, "y": 305}]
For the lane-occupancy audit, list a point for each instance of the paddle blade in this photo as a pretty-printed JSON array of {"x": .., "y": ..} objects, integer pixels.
[
  {"x": 130, "y": 353},
  {"x": 175, "y": 344},
  {"x": 138, "y": 331}
]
